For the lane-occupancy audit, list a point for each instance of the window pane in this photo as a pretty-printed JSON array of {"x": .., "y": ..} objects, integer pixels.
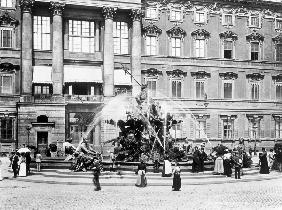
[
  {"x": 6, "y": 128},
  {"x": 41, "y": 33},
  {"x": 173, "y": 89},
  {"x": 120, "y": 34},
  {"x": 6, "y": 84},
  {"x": 278, "y": 52},
  {"x": 227, "y": 90},
  {"x": 279, "y": 92}
]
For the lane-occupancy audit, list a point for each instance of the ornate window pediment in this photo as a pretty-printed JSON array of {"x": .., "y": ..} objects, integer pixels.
[
  {"x": 228, "y": 76},
  {"x": 255, "y": 37},
  {"x": 201, "y": 33},
  {"x": 151, "y": 72},
  {"x": 200, "y": 75},
  {"x": 177, "y": 73},
  {"x": 228, "y": 35},
  {"x": 176, "y": 32},
  {"x": 152, "y": 30},
  {"x": 9, "y": 67},
  {"x": 277, "y": 78},
  {"x": 254, "y": 118},
  {"x": 7, "y": 20},
  {"x": 255, "y": 76},
  {"x": 277, "y": 39}
]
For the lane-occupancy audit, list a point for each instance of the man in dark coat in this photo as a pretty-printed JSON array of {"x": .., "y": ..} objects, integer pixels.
[
  {"x": 96, "y": 172},
  {"x": 28, "y": 161},
  {"x": 196, "y": 160},
  {"x": 15, "y": 165},
  {"x": 202, "y": 157}
]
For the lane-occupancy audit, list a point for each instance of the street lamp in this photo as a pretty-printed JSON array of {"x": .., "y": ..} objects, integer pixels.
[{"x": 28, "y": 128}]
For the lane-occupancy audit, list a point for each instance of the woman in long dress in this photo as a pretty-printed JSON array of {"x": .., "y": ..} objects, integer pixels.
[
  {"x": 176, "y": 185},
  {"x": 264, "y": 169},
  {"x": 141, "y": 178},
  {"x": 218, "y": 165},
  {"x": 22, "y": 161}
]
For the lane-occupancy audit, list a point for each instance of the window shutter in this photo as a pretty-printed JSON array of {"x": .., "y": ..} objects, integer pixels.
[
  {"x": 219, "y": 127},
  {"x": 192, "y": 128},
  {"x": 236, "y": 128},
  {"x": 262, "y": 128},
  {"x": 272, "y": 127},
  {"x": 247, "y": 129}
]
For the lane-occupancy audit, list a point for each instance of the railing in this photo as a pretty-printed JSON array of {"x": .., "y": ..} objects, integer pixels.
[
  {"x": 61, "y": 99},
  {"x": 83, "y": 98}
]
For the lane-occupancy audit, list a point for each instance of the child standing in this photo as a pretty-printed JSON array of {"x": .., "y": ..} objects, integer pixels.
[{"x": 38, "y": 159}]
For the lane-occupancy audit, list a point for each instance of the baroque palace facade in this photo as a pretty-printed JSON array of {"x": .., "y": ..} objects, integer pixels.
[{"x": 215, "y": 64}]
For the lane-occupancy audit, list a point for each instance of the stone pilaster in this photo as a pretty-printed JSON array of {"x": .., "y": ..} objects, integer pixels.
[
  {"x": 58, "y": 49},
  {"x": 108, "y": 53},
  {"x": 136, "y": 16},
  {"x": 26, "y": 54}
]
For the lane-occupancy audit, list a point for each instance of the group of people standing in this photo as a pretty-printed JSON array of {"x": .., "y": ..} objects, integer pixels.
[
  {"x": 199, "y": 157},
  {"x": 20, "y": 163}
]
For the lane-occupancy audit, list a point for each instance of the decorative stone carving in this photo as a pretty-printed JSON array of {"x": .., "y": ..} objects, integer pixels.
[
  {"x": 228, "y": 35},
  {"x": 277, "y": 39},
  {"x": 201, "y": 33},
  {"x": 201, "y": 116},
  {"x": 228, "y": 117},
  {"x": 7, "y": 20},
  {"x": 176, "y": 32},
  {"x": 177, "y": 73},
  {"x": 277, "y": 117},
  {"x": 228, "y": 76},
  {"x": 57, "y": 8},
  {"x": 109, "y": 12},
  {"x": 152, "y": 30},
  {"x": 200, "y": 75},
  {"x": 254, "y": 117},
  {"x": 255, "y": 37},
  {"x": 9, "y": 67},
  {"x": 27, "y": 5},
  {"x": 277, "y": 78},
  {"x": 255, "y": 76},
  {"x": 137, "y": 14},
  {"x": 152, "y": 72}
]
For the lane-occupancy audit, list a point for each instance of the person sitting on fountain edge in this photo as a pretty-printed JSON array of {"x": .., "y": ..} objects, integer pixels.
[{"x": 141, "y": 97}]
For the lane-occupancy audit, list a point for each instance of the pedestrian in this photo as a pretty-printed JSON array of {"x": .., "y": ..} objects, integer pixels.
[
  {"x": 22, "y": 163},
  {"x": 141, "y": 178},
  {"x": 270, "y": 158},
  {"x": 278, "y": 158},
  {"x": 237, "y": 165},
  {"x": 218, "y": 165},
  {"x": 15, "y": 164},
  {"x": 28, "y": 161},
  {"x": 202, "y": 157},
  {"x": 156, "y": 159},
  {"x": 176, "y": 185},
  {"x": 263, "y": 162},
  {"x": 196, "y": 160},
  {"x": 112, "y": 161},
  {"x": 38, "y": 159},
  {"x": 227, "y": 163},
  {"x": 96, "y": 173}
]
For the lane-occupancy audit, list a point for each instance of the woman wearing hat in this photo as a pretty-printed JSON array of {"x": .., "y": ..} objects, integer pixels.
[{"x": 264, "y": 169}]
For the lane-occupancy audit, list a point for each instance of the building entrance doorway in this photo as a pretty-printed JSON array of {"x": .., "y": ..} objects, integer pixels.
[{"x": 42, "y": 142}]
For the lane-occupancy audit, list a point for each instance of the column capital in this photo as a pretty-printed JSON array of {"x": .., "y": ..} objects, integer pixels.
[
  {"x": 57, "y": 8},
  {"x": 137, "y": 14},
  {"x": 27, "y": 5},
  {"x": 109, "y": 12}
]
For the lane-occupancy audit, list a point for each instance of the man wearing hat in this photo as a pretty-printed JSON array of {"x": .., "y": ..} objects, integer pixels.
[
  {"x": 237, "y": 164},
  {"x": 96, "y": 173}
]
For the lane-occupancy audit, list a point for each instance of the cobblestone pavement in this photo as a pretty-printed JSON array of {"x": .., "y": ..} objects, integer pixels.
[{"x": 18, "y": 195}]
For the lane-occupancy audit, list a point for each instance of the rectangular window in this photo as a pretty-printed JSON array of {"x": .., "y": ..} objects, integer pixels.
[
  {"x": 120, "y": 33},
  {"x": 175, "y": 131},
  {"x": 41, "y": 89},
  {"x": 228, "y": 19},
  {"x": 254, "y": 51},
  {"x": 255, "y": 91},
  {"x": 228, "y": 129},
  {"x": 254, "y": 130},
  {"x": 175, "y": 15},
  {"x": 228, "y": 49},
  {"x": 176, "y": 88},
  {"x": 199, "y": 17},
  {"x": 6, "y": 3},
  {"x": 200, "y": 48},
  {"x": 200, "y": 129},
  {"x": 151, "y": 45},
  {"x": 175, "y": 46},
  {"x": 227, "y": 90},
  {"x": 278, "y": 23},
  {"x": 152, "y": 87},
  {"x": 7, "y": 128},
  {"x": 152, "y": 13},
  {"x": 279, "y": 52},
  {"x": 200, "y": 89},
  {"x": 81, "y": 36},
  {"x": 278, "y": 128},
  {"x": 41, "y": 33},
  {"x": 279, "y": 91},
  {"x": 6, "y": 84},
  {"x": 254, "y": 21},
  {"x": 6, "y": 38}
]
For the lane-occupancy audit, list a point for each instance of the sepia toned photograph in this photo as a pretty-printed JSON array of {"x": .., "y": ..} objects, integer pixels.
[{"x": 140, "y": 104}]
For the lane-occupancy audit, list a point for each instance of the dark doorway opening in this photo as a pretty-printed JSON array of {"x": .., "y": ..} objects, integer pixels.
[{"x": 42, "y": 141}]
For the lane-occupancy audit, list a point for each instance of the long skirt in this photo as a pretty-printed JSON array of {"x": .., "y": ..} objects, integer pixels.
[
  {"x": 176, "y": 185},
  {"x": 218, "y": 166},
  {"x": 96, "y": 182},
  {"x": 141, "y": 179},
  {"x": 167, "y": 170},
  {"x": 264, "y": 169},
  {"x": 227, "y": 167},
  {"x": 22, "y": 171}
]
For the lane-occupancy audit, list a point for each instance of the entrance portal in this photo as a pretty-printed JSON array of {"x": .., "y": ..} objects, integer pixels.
[{"x": 42, "y": 142}]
